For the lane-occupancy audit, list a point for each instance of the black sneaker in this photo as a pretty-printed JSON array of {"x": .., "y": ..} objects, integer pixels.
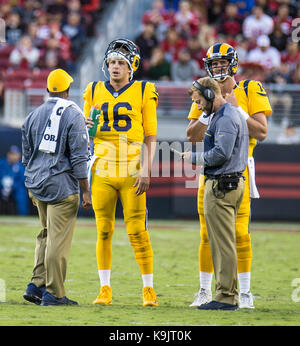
[
  {"x": 48, "y": 299},
  {"x": 214, "y": 305},
  {"x": 34, "y": 294}
]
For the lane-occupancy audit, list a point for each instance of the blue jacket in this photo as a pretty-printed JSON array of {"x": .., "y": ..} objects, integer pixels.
[
  {"x": 226, "y": 143},
  {"x": 15, "y": 172}
]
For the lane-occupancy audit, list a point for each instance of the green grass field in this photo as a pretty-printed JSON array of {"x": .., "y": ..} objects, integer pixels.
[{"x": 175, "y": 245}]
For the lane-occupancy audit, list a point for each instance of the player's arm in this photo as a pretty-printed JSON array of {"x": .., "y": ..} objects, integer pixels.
[
  {"x": 258, "y": 126},
  {"x": 150, "y": 130},
  {"x": 259, "y": 109},
  {"x": 88, "y": 105},
  {"x": 196, "y": 129},
  {"x": 143, "y": 180}
]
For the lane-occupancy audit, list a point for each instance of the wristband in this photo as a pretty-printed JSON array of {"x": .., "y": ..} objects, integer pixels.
[
  {"x": 204, "y": 120},
  {"x": 244, "y": 114}
]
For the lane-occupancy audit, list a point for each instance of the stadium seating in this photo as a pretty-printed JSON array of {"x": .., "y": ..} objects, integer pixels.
[{"x": 23, "y": 77}]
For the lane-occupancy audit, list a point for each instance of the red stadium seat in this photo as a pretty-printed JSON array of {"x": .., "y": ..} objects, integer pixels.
[
  {"x": 10, "y": 84},
  {"x": 40, "y": 75},
  {"x": 4, "y": 63},
  {"x": 18, "y": 74},
  {"x": 5, "y": 51},
  {"x": 38, "y": 84}
]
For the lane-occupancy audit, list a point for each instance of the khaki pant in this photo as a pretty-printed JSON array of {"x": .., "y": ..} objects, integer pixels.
[
  {"x": 53, "y": 243},
  {"x": 220, "y": 216}
]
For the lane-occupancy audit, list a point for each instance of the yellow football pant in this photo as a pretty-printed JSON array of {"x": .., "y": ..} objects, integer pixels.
[
  {"x": 243, "y": 239},
  {"x": 105, "y": 192}
]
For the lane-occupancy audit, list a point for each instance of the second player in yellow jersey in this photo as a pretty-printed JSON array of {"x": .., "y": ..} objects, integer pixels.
[{"x": 221, "y": 64}]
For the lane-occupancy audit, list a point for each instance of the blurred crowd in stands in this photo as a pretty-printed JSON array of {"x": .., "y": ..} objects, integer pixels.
[
  {"x": 175, "y": 36},
  {"x": 41, "y": 36},
  {"x": 13, "y": 194},
  {"x": 48, "y": 33},
  {"x": 177, "y": 33}
]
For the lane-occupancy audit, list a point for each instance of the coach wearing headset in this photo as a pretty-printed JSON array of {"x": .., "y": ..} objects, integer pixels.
[{"x": 224, "y": 159}]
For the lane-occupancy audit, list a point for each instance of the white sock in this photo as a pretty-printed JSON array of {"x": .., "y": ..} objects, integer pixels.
[
  {"x": 147, "y": 280},
  {"x": 244, "y": 282},
  {"x": 104, "y": 276},
  {"x": 206, "y": 280}
]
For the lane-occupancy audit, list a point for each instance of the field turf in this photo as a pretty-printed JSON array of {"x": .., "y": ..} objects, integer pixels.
[{"x": 175, "y": 244}]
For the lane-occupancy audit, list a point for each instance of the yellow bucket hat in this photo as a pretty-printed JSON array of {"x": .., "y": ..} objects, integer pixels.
[{"x": 58, "y": 80}]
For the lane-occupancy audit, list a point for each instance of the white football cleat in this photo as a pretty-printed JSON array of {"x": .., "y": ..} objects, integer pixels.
[
  {"x": 246, "y": 301},
  {"x": 203, "y": 296}
]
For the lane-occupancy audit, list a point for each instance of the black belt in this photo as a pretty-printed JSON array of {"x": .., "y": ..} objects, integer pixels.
[
  {"x": 225, "y": 183},
  {"x": 227, "y": 175}
]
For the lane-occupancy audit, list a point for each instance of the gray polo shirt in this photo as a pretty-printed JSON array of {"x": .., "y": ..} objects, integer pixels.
[
  {"x": 226, "y": 143},
  {"x": 53, "y": 177}
]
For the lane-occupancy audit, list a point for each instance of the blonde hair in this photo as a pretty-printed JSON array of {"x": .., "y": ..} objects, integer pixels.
[{"x": 206, "y": 82}]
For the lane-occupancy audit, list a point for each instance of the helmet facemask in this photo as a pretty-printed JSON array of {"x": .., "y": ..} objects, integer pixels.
[{"x": 227, "y": 71}]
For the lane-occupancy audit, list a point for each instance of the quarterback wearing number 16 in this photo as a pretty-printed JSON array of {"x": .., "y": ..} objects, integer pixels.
[{"x": 127, "y": 120}]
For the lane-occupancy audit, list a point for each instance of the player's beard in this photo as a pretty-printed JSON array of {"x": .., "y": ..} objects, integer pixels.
[{"x": 208, "y": 107}]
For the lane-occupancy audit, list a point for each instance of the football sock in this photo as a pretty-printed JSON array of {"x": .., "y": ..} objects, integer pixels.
[
  {"x": 147, "y": 280},
  {"x": 206, "y": 280},
  {"x": 244, "y": 282},
  {"x": 104, "y": 276}
]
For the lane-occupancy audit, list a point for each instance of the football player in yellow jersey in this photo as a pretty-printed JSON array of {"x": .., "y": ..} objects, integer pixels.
[
  {"x": 127, "y": 120},
  {"x": 250, "y": 98}
]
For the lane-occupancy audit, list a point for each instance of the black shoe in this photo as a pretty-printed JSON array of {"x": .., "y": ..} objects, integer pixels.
[
  {"x": 214, "y": 305},
  {"x": 49, "y": 299},
  {"x": 34, "y": 294}
]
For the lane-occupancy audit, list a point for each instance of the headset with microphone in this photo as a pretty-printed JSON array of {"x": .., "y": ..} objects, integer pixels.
[{"x": 207, "y": 93}]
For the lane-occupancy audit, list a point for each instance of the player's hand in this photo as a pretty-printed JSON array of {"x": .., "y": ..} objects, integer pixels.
[
  {"x": 86, "y": 200},
  {"x": 89, "y": 122},
  {"x": 142, "y": 184},
  {"x": 231, "y": 98}
]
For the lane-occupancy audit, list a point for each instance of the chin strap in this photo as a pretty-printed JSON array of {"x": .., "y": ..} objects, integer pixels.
[{"x": 236, "y": 84}]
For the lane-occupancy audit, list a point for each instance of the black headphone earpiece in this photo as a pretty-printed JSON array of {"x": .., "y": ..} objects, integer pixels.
[{"x": 208, "y": 94}]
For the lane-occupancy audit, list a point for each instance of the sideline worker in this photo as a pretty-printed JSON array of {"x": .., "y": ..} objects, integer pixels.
[
  {"x": 224, "y": 159},
  {"x": 55, "y": 155}
]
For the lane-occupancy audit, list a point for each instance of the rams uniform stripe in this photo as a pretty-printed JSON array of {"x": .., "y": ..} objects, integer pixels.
[
  {"x": 93, "y": 89},
  {"x": 224, "y": 49},
  {"x": 143, "y": 87},
  {"x": 216, "y": 48},
  {"x": 220, "y": 49},
  {"x": 246, "y": 86}
]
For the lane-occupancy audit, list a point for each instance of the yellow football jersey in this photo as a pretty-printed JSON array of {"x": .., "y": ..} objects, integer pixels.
[
  {"x": 251, "y": 96},
  {"x": 127, "y": 115}
]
